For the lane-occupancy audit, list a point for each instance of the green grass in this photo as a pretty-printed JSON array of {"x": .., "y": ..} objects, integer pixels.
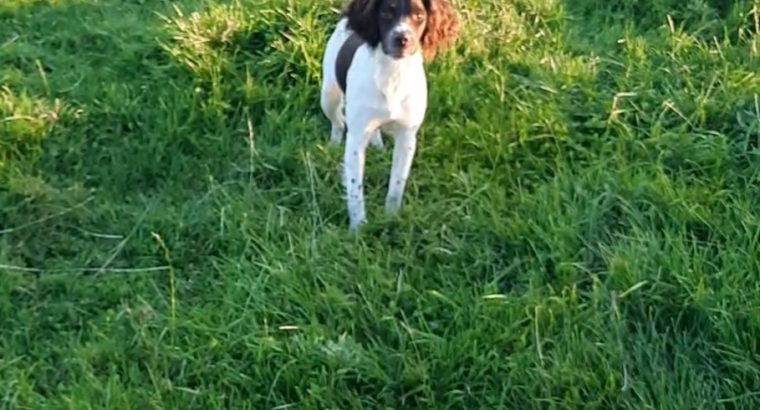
[{"x": 581, "y": 230}]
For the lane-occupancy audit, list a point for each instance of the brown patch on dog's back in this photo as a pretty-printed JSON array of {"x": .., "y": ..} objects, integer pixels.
[{"x": 345, "y": 56}]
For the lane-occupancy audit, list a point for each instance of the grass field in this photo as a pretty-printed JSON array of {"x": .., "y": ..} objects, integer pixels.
[{"x": 581, "y": 230}]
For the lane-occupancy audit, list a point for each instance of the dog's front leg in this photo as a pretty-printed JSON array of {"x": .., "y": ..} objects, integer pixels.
[
  {"x": 404, "y": 148},
  {"x": 353, "y": 175}
]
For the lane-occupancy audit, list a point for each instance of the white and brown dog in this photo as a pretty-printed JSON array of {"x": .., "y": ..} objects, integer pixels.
[{"x": 373, "y": 67}]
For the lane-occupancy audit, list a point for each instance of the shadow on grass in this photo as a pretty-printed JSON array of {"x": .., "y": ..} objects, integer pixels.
[{"x": 113, "y": 100}]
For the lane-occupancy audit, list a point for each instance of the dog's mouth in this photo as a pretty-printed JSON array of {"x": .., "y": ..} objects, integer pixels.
[{"x": 399, "y": 52}]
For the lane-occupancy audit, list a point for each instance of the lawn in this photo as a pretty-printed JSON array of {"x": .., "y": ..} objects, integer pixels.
[{"x": 581, "y": 228}]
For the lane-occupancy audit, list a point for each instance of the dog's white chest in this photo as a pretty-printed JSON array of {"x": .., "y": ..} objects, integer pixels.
[{"x": 403, "y": 92}]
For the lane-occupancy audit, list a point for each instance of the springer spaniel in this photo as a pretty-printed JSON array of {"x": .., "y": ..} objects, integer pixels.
[{"x": 373, "y": 66}]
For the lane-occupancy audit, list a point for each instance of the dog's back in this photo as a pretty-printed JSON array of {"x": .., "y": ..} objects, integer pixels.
[
  {"x": 336, "y": 62},
  {"x": 335, "y": 43}
]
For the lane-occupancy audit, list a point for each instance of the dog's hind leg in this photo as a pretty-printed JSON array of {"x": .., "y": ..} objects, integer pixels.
[
  {"x": 377, "y": 140},
  {"x": 332, "y": 106}
]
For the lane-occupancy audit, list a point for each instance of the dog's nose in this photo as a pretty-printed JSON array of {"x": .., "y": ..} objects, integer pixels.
[{"x": 402, "y": 40}]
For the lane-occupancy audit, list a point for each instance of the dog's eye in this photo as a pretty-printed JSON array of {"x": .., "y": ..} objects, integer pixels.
[
  {"x": 419, "y": 16},
  {"x": 386, "y": 15}
]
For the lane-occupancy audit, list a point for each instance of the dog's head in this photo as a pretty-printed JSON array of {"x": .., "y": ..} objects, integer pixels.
[{"x": 404, "y": 27}]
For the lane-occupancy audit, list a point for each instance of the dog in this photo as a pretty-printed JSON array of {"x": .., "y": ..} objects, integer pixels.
[{"x": 373, "y": 80}]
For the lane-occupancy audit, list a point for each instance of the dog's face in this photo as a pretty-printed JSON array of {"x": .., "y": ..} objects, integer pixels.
[
  {"x": 401, "y": 24},
  {"x": 403, "y": 27}
]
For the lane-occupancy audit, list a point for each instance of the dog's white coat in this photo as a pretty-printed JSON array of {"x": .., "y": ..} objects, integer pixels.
[{"x": 382, "y": 93}]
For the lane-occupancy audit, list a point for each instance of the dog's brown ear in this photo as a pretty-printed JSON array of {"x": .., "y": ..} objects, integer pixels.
[
  {"x": 362, "y": 18},
  {"x": 442, "y": 27}
]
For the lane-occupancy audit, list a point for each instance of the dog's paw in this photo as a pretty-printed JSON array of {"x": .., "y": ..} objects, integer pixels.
[
  {"x": 336, "y": 135},
  {"x": 334, "y": 142},
  {"x": 355, "y": 226},
  {"x": 377, "y": 142}
]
